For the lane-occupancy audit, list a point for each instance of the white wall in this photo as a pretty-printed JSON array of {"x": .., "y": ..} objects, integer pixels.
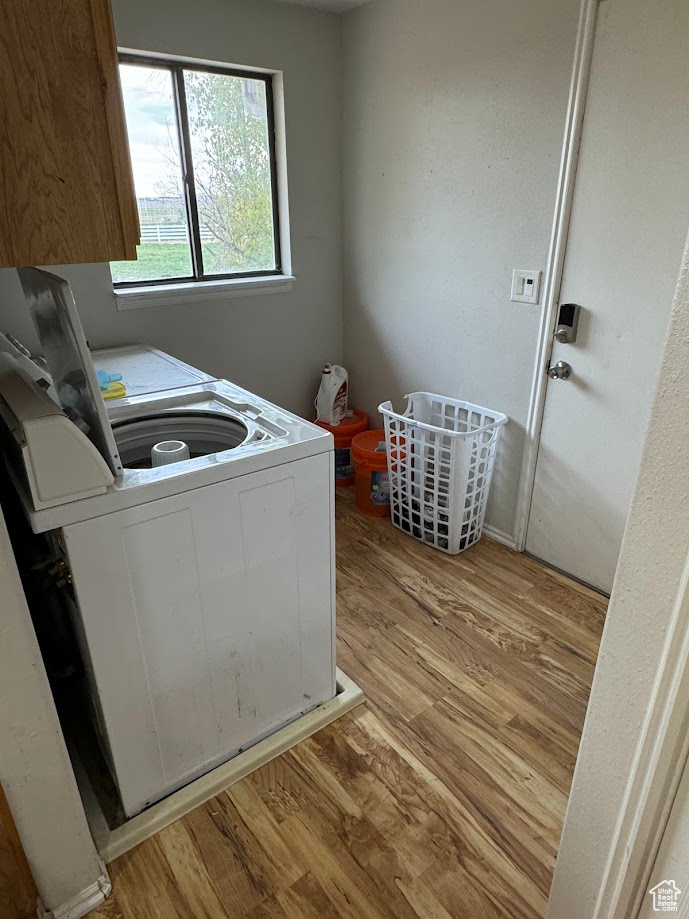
[
  {"x": 453, "y": 120},
  {"x": 274, "y": 345}
]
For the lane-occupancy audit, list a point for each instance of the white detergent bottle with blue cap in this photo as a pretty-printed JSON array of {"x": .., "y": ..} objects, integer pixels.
[{"x": 331, "y": 401}]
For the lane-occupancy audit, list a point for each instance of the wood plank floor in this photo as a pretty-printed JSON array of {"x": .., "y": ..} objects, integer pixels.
[
  {"x": 444, "y": 795},
  {"x": 17, "y": 890}
]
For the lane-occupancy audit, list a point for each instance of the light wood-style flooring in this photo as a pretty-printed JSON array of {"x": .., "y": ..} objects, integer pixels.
[
  {"x": 17, "y": 889},
  {"x": 444, "y": 795}
]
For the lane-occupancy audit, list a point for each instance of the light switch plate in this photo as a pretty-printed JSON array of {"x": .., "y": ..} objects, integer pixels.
[{"x": 526, "y": 286}]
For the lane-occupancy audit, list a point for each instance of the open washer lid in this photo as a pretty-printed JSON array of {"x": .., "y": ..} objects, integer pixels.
[{"x": 54, "y": 313}]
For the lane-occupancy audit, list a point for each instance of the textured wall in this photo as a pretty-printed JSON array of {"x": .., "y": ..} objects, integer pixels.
[{"x": 453, "y": 122}]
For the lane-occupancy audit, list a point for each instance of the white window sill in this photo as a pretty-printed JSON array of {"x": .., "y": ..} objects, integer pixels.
[{"x": 134, "y": 298}]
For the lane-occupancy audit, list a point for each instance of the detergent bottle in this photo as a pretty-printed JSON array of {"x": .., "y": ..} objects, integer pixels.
[{"x": 331, "y": 401}]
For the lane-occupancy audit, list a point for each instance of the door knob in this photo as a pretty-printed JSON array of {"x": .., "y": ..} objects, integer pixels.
[{"x": 560, "y": 371}]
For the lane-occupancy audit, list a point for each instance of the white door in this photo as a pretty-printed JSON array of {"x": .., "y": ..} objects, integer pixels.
[{"x": 627, "y": 230}]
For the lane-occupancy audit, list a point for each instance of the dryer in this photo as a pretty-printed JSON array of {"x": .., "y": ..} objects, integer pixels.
[{"x": 204, "y": 588}]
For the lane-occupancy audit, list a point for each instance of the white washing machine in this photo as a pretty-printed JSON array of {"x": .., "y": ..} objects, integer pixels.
[{"x": 205, "y": 588}]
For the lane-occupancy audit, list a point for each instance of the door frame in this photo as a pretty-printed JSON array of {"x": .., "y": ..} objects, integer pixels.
[
  {"x": 635, "y": 742},
  {"x": 574, "y": 121}
]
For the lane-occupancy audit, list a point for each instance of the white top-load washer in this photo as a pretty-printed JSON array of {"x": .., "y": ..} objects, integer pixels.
[{"x": 205, "y": 588}]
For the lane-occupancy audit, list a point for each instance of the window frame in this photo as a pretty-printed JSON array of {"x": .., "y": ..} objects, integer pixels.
[{"x": 176, "y": 68}]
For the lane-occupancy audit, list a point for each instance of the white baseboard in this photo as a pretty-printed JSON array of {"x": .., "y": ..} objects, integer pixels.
[
  {"x": 86, "y": 900},
  {"x": 499, "y": 536},
  {"x": 113, "y": 843}
]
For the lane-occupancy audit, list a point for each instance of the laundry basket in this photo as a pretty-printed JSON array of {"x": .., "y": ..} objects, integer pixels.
[{"x": 441, "y": 453}]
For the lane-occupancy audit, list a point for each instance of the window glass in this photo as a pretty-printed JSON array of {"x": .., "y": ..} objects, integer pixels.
[
  {"x": 228, "y": 128},
  {"x": 165, "y": 251},
  {"x": 221, "y": 128}
]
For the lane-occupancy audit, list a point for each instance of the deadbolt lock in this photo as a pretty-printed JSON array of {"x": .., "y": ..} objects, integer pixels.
[{"x": 567, "y": 323}]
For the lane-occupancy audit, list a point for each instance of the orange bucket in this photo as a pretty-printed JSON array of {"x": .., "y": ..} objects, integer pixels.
[
  {"x": 371, "y": 474},
  {"x": 344, "y": 433}
]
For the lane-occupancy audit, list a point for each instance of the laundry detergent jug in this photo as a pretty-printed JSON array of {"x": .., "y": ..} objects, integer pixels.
[{"x": 331, "y": 401}]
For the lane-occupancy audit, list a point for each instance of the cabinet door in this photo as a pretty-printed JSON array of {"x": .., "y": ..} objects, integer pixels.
[{"x": 66, "y": 181}]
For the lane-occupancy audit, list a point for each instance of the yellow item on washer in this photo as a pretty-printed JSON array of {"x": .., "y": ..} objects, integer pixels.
[{"x": 115, "y": 391}]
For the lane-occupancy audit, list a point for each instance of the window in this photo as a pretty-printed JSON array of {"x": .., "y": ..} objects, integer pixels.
[{"x": 202, "y": 148}]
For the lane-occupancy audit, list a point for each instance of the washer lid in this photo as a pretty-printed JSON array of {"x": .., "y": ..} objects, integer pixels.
[{"x": 54, "y": 313}]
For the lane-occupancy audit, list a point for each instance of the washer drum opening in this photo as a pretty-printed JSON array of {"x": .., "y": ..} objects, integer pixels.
[{"x": 204, "y": 433}]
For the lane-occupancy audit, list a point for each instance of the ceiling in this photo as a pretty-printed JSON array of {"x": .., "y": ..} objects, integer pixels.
[{"x": 332, "y": 6}]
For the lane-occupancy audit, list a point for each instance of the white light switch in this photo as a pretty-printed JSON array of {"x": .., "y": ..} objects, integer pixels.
[{"x": 526, "y": 285}]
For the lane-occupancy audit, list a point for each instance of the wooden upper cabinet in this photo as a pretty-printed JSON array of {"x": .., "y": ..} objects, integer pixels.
[{"x": 66, "y": 184}]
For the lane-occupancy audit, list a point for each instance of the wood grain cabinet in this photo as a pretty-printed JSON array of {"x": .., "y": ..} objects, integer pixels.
[{"x": 66, "y": 184}]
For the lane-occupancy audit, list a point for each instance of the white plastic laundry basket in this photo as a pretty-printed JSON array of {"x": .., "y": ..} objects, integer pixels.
[{"x": 441, "y": 453}]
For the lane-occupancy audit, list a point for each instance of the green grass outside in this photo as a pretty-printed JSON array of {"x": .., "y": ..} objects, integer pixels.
[
  {"x": 162, "y": 261},
  {"x": 156, "y": 261}
]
